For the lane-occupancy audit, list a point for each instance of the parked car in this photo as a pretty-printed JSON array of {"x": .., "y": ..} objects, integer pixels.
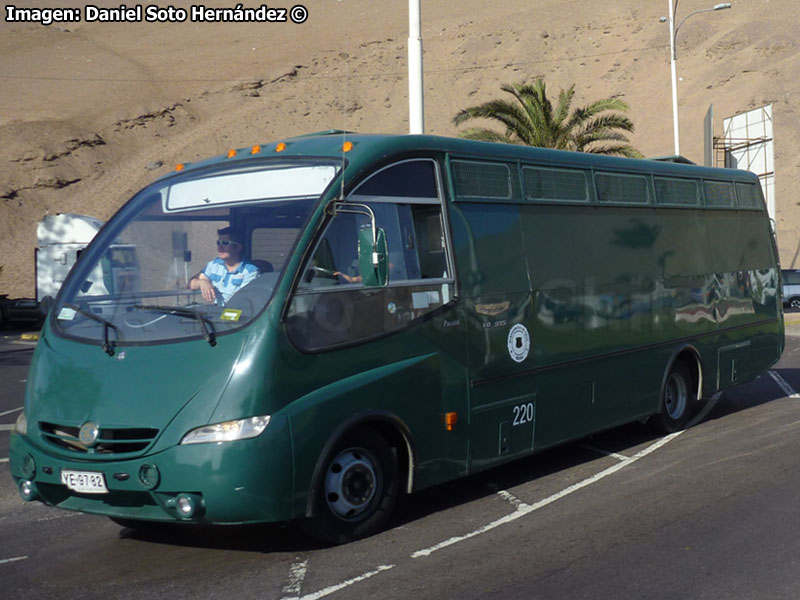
[{"x": 791, "y": 288}]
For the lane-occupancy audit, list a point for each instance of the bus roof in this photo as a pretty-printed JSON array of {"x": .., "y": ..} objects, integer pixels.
[{"x": 369, "y": 147}]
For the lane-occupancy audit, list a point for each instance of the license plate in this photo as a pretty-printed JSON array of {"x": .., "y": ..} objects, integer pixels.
[{"x": 85, "y": 482}]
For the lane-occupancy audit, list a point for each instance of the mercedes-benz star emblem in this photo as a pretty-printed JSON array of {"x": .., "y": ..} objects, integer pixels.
[{"x": 88, "y": 434}]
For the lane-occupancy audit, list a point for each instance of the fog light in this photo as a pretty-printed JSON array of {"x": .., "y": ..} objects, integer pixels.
[
  {"x": 29, "y": 466},
  {"x": 186, "y": 505},
  {"x": 149, "y": 476},
  {"x": 27, "y": 489}
]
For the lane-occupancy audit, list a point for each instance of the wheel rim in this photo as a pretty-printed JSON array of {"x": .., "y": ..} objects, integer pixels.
[
  {"x": 676, "y": 396},
  {"x": 351, "y": 483},
  {"x": 795, "y": 303}
]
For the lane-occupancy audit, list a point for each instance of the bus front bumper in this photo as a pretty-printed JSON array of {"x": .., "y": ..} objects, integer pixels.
[{"x": 245, "y": 481}]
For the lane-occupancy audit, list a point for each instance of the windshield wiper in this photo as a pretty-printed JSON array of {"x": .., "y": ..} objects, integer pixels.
[
  {"x": 208, "y": 335},
  {"x": 107, "y": 346}
]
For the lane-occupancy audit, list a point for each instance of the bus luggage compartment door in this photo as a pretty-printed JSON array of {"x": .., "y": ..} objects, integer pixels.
[
  {"x": 732, "y": 367},
  {"x": 501, "y": 430}
]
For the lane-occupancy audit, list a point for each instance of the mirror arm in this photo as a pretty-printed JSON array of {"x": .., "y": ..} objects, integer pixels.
[{"x": 354, "y": 208}]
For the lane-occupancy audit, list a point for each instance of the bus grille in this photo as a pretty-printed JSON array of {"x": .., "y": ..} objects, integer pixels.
[{"x": 110, "y": 440}]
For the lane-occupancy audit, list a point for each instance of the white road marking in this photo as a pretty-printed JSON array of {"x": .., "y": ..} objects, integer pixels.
[
  {"x": 510, "y": 498},
  {"x": 299, "y": 570},
  {"x": 60, "y": 515},
  {"x": 2, "y": 460},
  {"x": 297, "y": 574},
  {"x": 525, "y": 510},
  {"x": 784, "y": 385},
  {"x": 13, "y": 410},
  {"x": 6, "y": 427},
  {"x": 10, "y": 560},
  {"x": 335, "y": 588}
]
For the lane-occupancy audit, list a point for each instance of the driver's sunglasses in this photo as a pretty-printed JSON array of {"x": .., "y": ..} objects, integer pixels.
[{"x": 227, "y": 243}]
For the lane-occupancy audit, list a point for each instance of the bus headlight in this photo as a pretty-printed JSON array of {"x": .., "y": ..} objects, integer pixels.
[
  {"x": 228, "y": 431},
  {"x": 21, "y": 425}
]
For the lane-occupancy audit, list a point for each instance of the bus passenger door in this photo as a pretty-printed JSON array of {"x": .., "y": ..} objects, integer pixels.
[
  {"x": 494, "y": 282},
  {"x": 412, "y": 317}
]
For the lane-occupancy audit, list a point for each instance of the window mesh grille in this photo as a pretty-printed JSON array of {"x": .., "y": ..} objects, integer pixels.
[
  {"x": 748, "y": 195},
  {"x": 719, "y": 194},
  {"x": 554, "y": 184},
  {"x": 676, "y": 192},
  {"x": 481, "y": 180},
  {"x": 623, "y": 189}
]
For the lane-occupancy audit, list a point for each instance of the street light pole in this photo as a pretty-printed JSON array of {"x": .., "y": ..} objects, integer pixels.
[
  {"x": 673, "y": 58},
  {"x": 416, "y": 111}
]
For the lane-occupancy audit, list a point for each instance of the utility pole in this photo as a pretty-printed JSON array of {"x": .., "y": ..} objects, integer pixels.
[{"x": 416, "y": 111}]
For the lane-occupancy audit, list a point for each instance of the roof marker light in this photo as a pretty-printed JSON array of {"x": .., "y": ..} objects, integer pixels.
[
  {"x": 280, "y": 147},
  {"x": 231, "y": 153},
  {"x": 256, "y": 149},
  {"x": 180, "y": 167},
  {"x": 347, "y": 146}
]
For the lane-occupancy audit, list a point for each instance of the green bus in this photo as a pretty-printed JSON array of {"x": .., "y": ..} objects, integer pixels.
[{"x": 423, "y": 308}]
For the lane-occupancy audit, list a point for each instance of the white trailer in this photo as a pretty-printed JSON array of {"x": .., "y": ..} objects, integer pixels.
[{"x": 61, "y": 239}]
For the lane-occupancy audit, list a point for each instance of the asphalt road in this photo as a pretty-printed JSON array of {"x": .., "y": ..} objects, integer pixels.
[{"x": 709, "y": 513}]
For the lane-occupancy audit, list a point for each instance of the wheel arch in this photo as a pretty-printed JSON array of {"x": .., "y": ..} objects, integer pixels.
[
  {"x": 690, "y": 357},
  {"x": 384, "y": 423}
]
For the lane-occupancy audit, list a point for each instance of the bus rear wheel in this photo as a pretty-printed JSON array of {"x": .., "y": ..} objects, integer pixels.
[
  {"x": 356, "y": 490},
  {"x": 675, "y": 407}
]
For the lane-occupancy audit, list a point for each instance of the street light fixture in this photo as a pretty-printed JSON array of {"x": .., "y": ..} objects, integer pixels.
[{"x": 673, "y": 48}]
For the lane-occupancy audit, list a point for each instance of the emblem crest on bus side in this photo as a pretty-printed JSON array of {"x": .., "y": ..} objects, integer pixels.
[{"x": 519, "y": 342}]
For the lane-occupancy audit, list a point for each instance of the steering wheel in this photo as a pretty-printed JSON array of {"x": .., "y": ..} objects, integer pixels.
[
  {"x": 219, "y": 300},
  {"x": 323, "y": 272}
]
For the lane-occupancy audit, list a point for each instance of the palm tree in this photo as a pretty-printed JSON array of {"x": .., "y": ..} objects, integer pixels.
[{"x": 532, "y": 121}]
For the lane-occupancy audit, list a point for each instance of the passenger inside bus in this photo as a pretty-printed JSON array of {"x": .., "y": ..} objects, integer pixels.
[{"x": 228, "y": 273}]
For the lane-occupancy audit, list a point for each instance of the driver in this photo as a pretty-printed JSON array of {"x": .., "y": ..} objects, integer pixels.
[{"x": 227, "y": 273}]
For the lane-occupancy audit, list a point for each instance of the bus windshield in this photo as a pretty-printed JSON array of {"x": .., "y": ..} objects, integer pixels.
[{"x": 194, "y": 255}]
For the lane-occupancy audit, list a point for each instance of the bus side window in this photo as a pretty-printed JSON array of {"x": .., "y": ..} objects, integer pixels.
[{"x": 332, "y": 305}]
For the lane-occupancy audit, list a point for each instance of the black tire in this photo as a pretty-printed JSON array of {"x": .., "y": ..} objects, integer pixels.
[
  {"x": 794, "y": 303},
  {"x": 355, "y": 491},
  {"x": 675, "y": 406}
]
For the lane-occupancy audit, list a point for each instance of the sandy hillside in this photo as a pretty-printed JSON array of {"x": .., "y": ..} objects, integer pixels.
[{"x": 90, "y": 112}]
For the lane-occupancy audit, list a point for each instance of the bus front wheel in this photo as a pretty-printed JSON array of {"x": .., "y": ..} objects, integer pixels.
[
  {"x": 356, "y": 490},
  {"x": 676, "y": 401}
]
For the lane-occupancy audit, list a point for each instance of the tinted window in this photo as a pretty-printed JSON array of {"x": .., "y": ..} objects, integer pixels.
[
  {"x": 719, "y": 194},
  {"x": 676, "y": 192},
  {"x": 555, "y": 184},
  {"x": 622, "y": 189},
  {"x": 749, "y": 196},
  {"x": 481, "y": 180},
  {"x": 414, "y": 179},
  {"x": 791, "y": 277}
]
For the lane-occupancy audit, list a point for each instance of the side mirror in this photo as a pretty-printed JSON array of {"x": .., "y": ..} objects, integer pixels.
[{"x": 372, "y": 257}]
